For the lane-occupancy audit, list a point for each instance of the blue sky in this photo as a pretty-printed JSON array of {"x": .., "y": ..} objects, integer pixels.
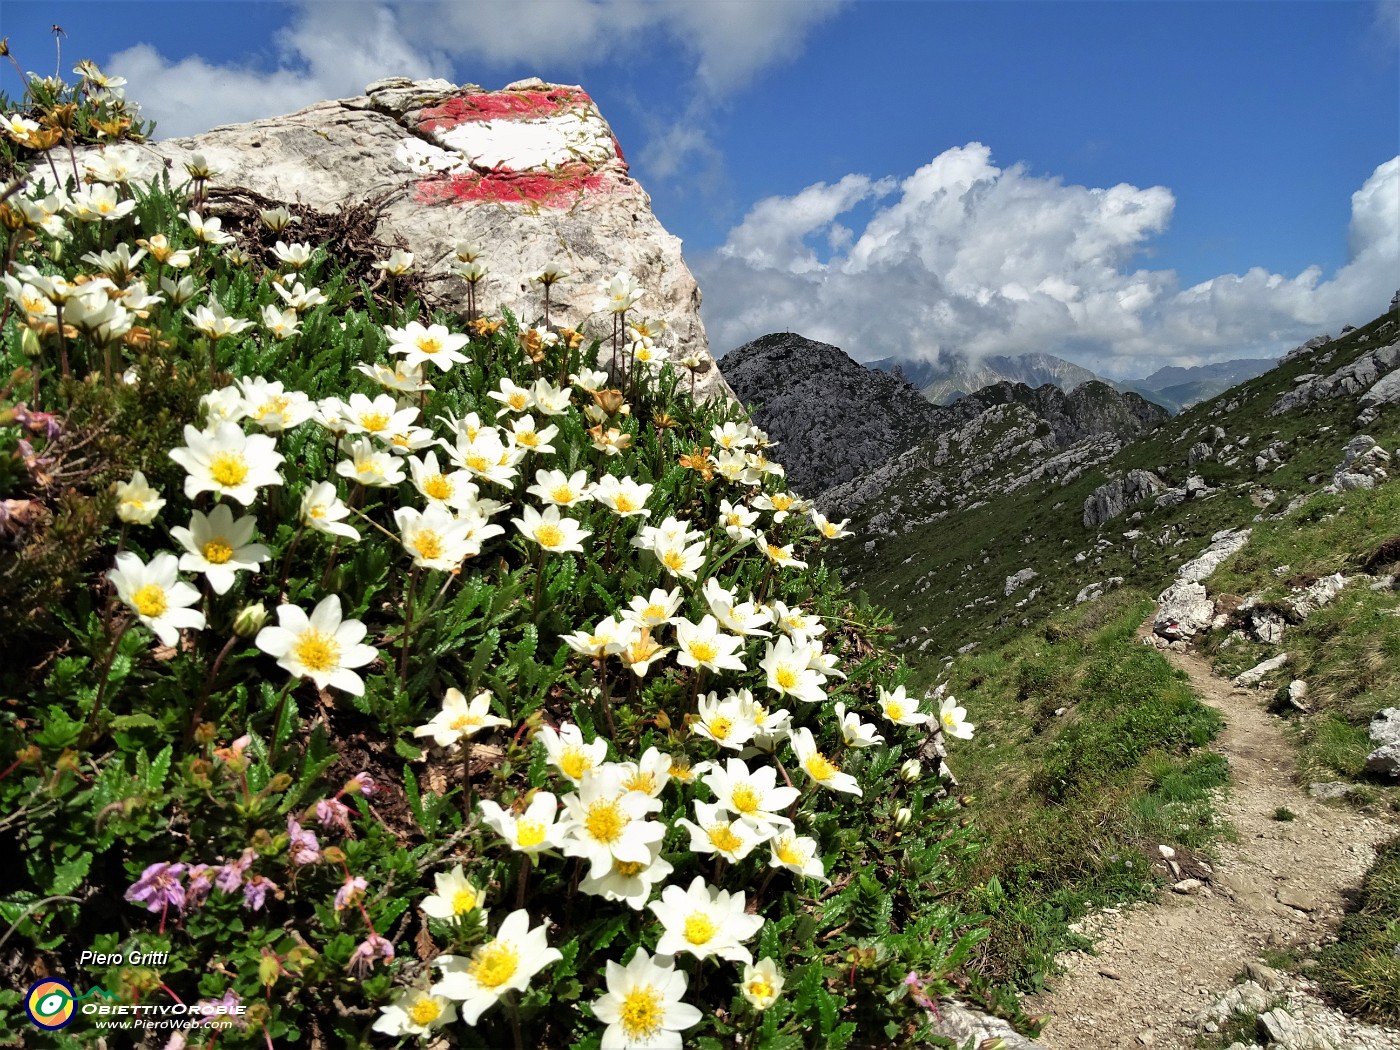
[{"x": 1124, "y": 183}]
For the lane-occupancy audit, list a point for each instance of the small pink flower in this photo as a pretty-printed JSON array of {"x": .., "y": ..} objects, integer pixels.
[
  {"x": 350, "y": 892},
  {"x": 230, "y": 876},
  {"x": 303, "y": 847},
  {"x": 159, "y": 887},
  {"x": 332, "y": 813},
  {"x": 255, "y": 891},
  {"x": 201, "y": 882},
  {"x": 360, "y": 784},
  {"x": 366, "y": 952}
]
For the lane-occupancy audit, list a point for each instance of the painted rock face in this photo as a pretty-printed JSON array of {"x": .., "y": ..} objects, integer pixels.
[{"x": 545, "y": 147}]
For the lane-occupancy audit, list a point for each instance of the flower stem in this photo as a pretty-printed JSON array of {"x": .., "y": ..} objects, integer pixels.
[
  {"x": 208, "y": 687},
  {"x": 466, "y": 782},
  {"x": 539, "y": 582},
  {"x": 522, "y": 879},
  {"x": 407, "y": 626},
  {"x": 91, "y": 725}
]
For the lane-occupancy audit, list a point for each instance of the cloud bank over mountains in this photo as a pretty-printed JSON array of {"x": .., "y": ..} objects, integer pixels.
[{"x": 965, "y": 255}]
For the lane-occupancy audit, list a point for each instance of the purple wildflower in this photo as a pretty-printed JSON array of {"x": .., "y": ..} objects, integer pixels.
[
  {"x": 333, "y": 813},
  {"x": 255, "y": 891},
  {"x": 220, "y": 1010},
  {"x": 350, "y": 892},
  {"x": 201, "y": 882},
  {"x": 915, "y": 984},
  {"x": 159, "y": 887},
  {"x": 303, "y": 846},
  {"x": 230, "y": 876},
  {"x": 366, "y": 952},
  {"x": 360, "y": 784}
]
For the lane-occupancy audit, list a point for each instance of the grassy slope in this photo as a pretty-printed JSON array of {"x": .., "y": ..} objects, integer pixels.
[{"x": 1073, "y": 805}]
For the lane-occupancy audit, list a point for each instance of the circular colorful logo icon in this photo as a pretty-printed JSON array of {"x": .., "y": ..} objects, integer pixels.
[{"x": 49, "y": 1004}]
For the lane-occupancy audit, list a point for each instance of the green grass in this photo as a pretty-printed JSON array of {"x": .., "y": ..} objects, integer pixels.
[
  {"x": 1073, "y": 806},
  {"x": 1362, "y": 970}
]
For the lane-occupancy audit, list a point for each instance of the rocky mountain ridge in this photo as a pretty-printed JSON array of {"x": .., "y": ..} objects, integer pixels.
[
  {"x": 954, "y": 375},
  {"x": 949, "y": 524},
  {"x": 838, "y": 420}
]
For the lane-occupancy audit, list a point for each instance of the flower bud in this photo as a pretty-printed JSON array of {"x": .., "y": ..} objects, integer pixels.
[
  {"x": 911, "y": 771},
  {"x": 262, "y": 841},
  {"x": 281, "y": 782},
  {"x": 269, "y": 969},
  {"x": 902, "y": 816},
  {"x": 250, "y": 620},
  {"x": 68, "y": 761},
  {"x": 333, "y": 854},
  {"x": 29, "y": 342},
  {"x": 205, "y": 731},
  {"x": 30, "y": 753}
]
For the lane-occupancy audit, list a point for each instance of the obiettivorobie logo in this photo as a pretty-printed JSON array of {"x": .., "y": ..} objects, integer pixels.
[{"x": 51, "y": 1003}]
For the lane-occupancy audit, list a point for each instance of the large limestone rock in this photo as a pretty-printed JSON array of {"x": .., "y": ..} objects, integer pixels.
[
  {"x": 1185, "y": 607},
  {"x": 531, "y": 173},
  {"x": 1114, "y": 497}
]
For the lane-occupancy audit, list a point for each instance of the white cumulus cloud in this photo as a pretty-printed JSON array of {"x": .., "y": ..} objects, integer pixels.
[
  {"x": 333, "y": 48},
  {"x": 968, "y": 256}
]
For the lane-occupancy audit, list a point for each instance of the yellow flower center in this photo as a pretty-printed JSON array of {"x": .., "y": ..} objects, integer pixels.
[
  {"x": 819, "y": 767},
  {"x": 760, "y": 989},
  {"x": 429, "y": 344},
  {"x": 228, "y": 468},
  {"x": 781, "y": 502},
  {"x": 317, "y": 651},
  {"x": 549, "y": 535},
  {"x": 134, "y": 504},
  {"x": 318, "y": 512},
  {"x": 374, "y": 421},
  {"x": 745, "y": 798},
  {"x": 682, "y": 772},
  {"x": 272, "y": 406},
  {"x": 464, "y": 722},
  {"x": 463, "y": 901},
  {"x": 574, "y": 761},
  {"x": 605, "y": 821},
  {"x": 528, "y": 438},
  {"x": 642, "y": 1011},
  {"x": 494, "y": 964},
  {"x": 640, "y": 781},
  {"x": 438, "y": 486},
  {"x": 786, "y": 677},
  {"x": 477, "y": 462},
  {"x": 216, "y": 552},
  {"x": 424, "y": 1012},
  {"x": 150, "y": 600},
  {"x": 624, "y": 504},
  {"x": 519, "y": 401},
  {"x": 529, "y": 833},
  {"x": 628, "y": 868},
  {"x": 703, "y": 651},
  {"x": 427, "y": 543},
  {"x": 654, "y": 613},
  {"x": 776, "y": 552},
  {"x": 720, "y": 727},
  {"x": 788, "y": 852},
  {"x": 562, "y": 494},
  {"x": 895, "y": 710},
  {"x": 722, "y": 838},
  {"x": 699, "y": 928},
  {"x": 673, "y": 560}
]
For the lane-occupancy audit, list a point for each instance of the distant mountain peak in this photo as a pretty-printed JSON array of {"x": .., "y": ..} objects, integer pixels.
[{"x": 955, "y": 374}]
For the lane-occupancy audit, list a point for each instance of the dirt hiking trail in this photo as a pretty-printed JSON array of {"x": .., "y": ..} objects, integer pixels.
[{"x": 1159, "y": 965}]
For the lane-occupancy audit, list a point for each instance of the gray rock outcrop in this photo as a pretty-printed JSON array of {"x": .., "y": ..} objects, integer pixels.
[
  {"x": 1185, "y": 607},
  {"x": 1113, "y": 498},
  {"x": 531, "y": 173},
  {"x": 1348, "y": 380},
  {"x": 1364, "y": 464}
]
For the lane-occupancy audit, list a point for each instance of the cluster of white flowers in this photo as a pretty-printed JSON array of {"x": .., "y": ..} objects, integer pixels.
[{"x": 606, "y": 812}]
